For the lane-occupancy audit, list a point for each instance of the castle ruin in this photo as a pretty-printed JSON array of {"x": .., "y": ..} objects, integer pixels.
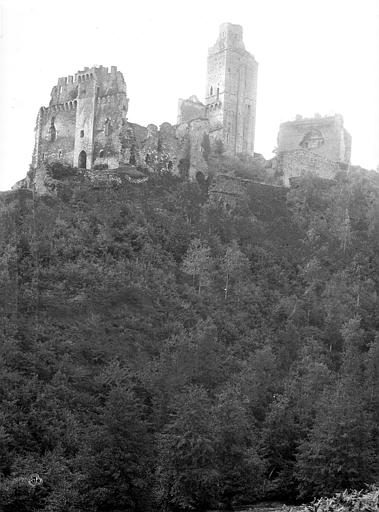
[
  {"x": 320, "y": 145},
  {"x": 80, "y": 127},
  {"x": 86, "y": 125},
  {"x": 231, "y": 93}
]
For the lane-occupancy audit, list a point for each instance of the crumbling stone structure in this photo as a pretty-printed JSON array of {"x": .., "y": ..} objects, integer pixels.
[
  {"x": 190, "y": 109},
  {"x": 228, "y": 190},
  {"x": 231, "y": 93},
  {"x": 292, "y": 164},
  {"x": 86, "y": 126},
  {"x": 80, "y": 127},
  {"x": 325, "y": 136},
  {"x": 320, "y": 145}
]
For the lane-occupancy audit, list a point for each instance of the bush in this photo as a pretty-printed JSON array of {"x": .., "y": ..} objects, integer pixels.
[
  {"x": 367, "y": 501},
  {"x": 59, "y": 171}
]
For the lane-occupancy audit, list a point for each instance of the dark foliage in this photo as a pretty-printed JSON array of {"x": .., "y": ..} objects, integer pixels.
[{"x": 160, "y": 352}]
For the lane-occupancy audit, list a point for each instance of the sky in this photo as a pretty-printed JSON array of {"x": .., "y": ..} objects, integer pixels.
[{"x": 314, "y": 57}]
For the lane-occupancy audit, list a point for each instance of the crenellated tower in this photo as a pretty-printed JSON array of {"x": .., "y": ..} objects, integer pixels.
[
  {"x": 231, "y": 93},
  {"x": 81, "y": 125}
]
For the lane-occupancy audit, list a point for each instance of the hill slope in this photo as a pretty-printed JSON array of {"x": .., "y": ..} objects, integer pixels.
[{"x": 162, "y": 351}]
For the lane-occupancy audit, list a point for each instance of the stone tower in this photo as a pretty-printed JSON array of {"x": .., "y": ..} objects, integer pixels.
[
  {"x": 325, "y": 136},
  {"x": 232, "y": 91},
  {"x": 81, "y": 125},
  {"x": 320, "y": 145}
]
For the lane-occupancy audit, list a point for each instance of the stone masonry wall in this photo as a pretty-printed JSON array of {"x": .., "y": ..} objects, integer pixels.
[
  {"x": 190, "y": 109},
  {"x": 63, "y": 118},
  {"x": 109, "y": 121},
  {"x": 292, "y": 164},
  {"x": 325, "y": 136},
  {"x": 231, "y": 91},
  {"x": 75, "y": 120}
]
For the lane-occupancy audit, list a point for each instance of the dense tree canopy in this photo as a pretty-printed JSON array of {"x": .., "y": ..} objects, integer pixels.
[{"x": 160, "y": 351}]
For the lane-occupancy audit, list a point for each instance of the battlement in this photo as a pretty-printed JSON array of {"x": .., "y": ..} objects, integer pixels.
[
  {"x": 97, "y": 80},
  {"x": 98, "y": 73},
  {"x": 67, "y": 105}
]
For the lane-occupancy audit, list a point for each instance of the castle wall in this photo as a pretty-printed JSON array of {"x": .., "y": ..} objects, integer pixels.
[
  {"x": 240, "y": 106},
  {"x": 134, "y": 146},
  {"x": 334, "y": 142},
  {"x": 63, "y": 118},
  {"x": 190, "y": 160},
  {"x": 296, "y": 163},
  {"x": 84, "y": 127},
  {"x": 66, "y": 90},
  {"x": 109, "y": 120},
  {"x": 36, "y": 158},
  {"x": 74, "y": 121},
  {"x": 190, "y": 109},
  {"x": 215, "y": 92},
  {"x": 347, "y": 143},
  {"x": 228, "y": 189}
]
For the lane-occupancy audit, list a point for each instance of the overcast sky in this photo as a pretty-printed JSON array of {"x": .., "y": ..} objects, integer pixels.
[{"x": 314, "y": 56}]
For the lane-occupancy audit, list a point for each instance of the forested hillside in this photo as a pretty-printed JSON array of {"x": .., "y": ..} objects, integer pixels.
[{"x": 160, "y": 352}]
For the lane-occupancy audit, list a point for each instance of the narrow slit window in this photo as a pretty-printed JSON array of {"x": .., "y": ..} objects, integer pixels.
[
  {"x": 52, "y": 130},
  {"x": 81, "y": 134}
]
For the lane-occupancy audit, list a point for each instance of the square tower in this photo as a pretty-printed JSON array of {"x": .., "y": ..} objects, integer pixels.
[
  {"x": 231, "y": 94},
  {"x": 325, "y": 136}
]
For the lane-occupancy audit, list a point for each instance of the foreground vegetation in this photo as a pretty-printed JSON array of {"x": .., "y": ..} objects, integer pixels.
[
  {"x": 159, "y": 352},
  {"x": 346, "y": 502}
]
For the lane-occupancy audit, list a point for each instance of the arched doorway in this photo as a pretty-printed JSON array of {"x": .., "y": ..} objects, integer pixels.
[{"x": 82, "y": 160}]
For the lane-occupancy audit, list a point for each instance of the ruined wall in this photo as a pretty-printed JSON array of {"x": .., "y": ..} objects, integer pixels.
[
  {"x": 168, "y": 146},
  {"x": 85, "y": 118},
  {"x": 57, "y": 133},
  {"x": 231, "y": 91},
  {"x": 228, "y": 189},
  {"x": 191, "y": 158},
  {"x": 190, "y": 109},
  {"x": 296, "y": 163},
  {"x": 146, "y": 140},
  {"x": 325, "y": 136},
  {"x": 73, "y": 126},
  {"x": 109, "y": 121}
]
